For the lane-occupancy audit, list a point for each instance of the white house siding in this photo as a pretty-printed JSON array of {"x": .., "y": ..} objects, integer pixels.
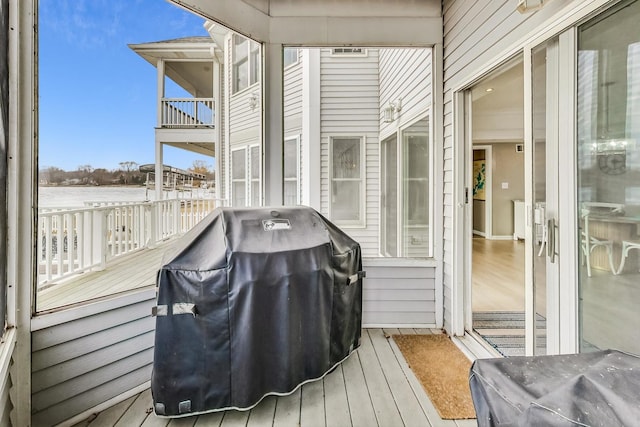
[
  {"x": 398, "y": 294},
  {"x": 405, "y": 74},
  {"x": 293, "y": 96},
  {"x": 99, "y": 354},
  {"x": 476, "y": 34},
  {"x": 5, "y": 401},
  {"x": 349, "y": 106}
]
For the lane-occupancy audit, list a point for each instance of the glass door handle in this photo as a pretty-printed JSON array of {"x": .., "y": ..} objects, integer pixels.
[{"x": 551, "y": 239}]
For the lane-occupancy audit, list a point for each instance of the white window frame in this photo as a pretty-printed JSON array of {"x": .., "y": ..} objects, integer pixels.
[
  {"x": 295, "y": 179},
  {"x": 361, "y": 222},
  {"x": 253, "y": 64},
  {"x": 233, "y": 180},
  {"x": 399, "y": 135}
]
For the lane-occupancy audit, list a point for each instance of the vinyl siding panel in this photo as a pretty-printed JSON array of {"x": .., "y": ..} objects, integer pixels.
[
  {"x": 293, "y": 101},
  {"x": 405, "y": 74},
  {"x": 398, "y": 295},
  {"x": 476, "y": 34},
  {"x": 5, "y": 399},
  {"x": 100, "y": 355}
]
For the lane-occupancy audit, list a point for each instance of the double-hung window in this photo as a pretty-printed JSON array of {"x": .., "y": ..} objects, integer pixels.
[
  {"x": 239, "y": 178},
  {"x": 347, "y": 172},
  {"x": 246, "y": 62},
  {"x": 246, "y": 185}
]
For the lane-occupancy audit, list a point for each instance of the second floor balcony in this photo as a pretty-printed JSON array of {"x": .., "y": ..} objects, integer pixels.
[{"x": 187, "y": 113}]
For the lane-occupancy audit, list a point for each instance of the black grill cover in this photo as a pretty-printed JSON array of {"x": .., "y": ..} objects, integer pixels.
[
  {"x": 253, "y": 302},
  {"x": 588, "y": 389}
]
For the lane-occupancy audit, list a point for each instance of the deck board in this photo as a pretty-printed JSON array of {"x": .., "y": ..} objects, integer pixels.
[
  {"x": 362, "y": 413},
  {"x": 288, "y": 410},
  {"x": 382, "y": 399},
  {"x": 262, "y": 415},
  {"x": 312, "y": 414},
  {"x": 410, "y": 409},
  {"x": 335, "y": 399}
]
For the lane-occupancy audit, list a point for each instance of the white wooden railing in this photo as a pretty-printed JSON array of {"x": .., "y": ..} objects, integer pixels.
[
  {"x": 73, "y": 241},
  {"x": 187, "y": 112}
]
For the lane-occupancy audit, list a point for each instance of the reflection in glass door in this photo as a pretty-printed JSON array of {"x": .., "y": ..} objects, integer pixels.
[
  {"x": 608, "y": 193},
  {"x": 541, "y": 233}
]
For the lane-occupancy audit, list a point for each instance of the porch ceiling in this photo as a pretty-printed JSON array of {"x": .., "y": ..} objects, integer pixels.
[
  {"x": 188, "y": 61},
  {"x": 327, "y": 22},
  {"x": 206, "y": 149}
]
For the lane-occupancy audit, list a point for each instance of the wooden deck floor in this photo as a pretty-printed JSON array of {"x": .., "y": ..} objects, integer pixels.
[
  {"x": 132, "y": 271},
  {"x": 373, "y": 387}
]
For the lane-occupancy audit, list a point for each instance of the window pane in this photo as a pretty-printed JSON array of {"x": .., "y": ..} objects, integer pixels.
[
  {"x": 290, "y": 158},
  {"x": 290, "y": 56},
  {"x": 239, "y": 197},
  {"x": 390, "y": 197},
  {"x": 416, "y": 189},
  {"x": 255, "y": 63},
  {"x": 345, "y": 201},
  {"x": 240, "y": 63},
  {"x": 255, "y": 193},
  {"x": 238, "y": 164},
  {"x": 346, "y": 158},
  {"x": 255, "y": 163},
  {"x": 608, "y": 159},
  {"x": 290, "y": 193}
]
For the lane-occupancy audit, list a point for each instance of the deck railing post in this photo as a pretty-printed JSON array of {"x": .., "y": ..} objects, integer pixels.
[{"x": 100, "y": 238}]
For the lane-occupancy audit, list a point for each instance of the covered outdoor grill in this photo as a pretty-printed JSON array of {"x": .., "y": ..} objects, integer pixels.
[
  {"x": 588, "y": 389},
  {"x": 253, "y": 302}
]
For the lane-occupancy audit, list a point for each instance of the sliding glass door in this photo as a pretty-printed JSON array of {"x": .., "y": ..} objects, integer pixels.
[{"x": 608, "y": 186}]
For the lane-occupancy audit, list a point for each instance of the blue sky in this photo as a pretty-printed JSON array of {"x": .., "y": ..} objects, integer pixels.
[{"x": 98, "y": 97}]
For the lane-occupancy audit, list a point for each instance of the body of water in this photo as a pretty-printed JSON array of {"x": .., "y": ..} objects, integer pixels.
[{"x": 74, "y": 197}]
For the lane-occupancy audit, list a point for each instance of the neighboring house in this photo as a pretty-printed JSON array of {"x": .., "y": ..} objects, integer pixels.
[{"x": 580, "y": 113}]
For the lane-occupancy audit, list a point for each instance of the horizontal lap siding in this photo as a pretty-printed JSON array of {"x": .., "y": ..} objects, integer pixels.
[
  {"x": 399, "y": 296},
  {"x": 80, "y": 364},
  {"x": 293, "y": 95},
  {"x": 475, "y": 35},
  {"x": 5, "y": 401}
]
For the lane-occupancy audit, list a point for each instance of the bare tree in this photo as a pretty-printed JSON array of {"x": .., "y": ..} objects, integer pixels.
[{"x": 127, "y": 168}]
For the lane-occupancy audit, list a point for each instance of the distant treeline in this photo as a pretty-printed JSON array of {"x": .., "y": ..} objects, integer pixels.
[{"x": 127, "y": 174}]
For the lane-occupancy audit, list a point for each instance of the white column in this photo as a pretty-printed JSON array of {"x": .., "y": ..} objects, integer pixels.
[
  {"x": 159, "y": 160},
  {"x": 20, "y": 188},
  {"x": 217, "y": 109},
  {"x": 273, "y": 124},
  {"x": 311, "y": 128}
]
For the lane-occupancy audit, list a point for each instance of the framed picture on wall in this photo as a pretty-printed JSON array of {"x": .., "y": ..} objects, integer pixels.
[{"x": 479, "y": 179}]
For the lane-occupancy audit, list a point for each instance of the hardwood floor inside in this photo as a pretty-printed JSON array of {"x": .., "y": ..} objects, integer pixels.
[
  {"x": 607, "y": 302},
  {"x": 497, "y": 275}
]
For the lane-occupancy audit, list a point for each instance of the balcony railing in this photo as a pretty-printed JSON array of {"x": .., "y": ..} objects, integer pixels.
[
  {"x": 187, "y": 112},
  {"x": 73, "y": 241}
]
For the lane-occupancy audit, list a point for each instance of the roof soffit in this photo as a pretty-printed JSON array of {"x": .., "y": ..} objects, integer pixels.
[{"x": 309, "y": 22}]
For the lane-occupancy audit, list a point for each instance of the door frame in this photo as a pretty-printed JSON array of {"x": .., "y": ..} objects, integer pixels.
[
  {"x": 488, "y": 223},
  {"x": 564, "y": 25}
]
